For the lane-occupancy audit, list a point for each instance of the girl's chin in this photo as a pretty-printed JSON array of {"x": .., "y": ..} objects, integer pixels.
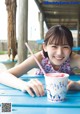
[{"x": 58, "y": 63}]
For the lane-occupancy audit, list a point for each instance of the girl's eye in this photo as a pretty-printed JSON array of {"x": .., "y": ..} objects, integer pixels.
[
  {"x": 54, "y": 46},
  {"x": 66, "y": 47}
]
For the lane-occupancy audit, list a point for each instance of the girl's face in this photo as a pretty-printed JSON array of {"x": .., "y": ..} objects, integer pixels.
[{"x": 57, "y": 54}]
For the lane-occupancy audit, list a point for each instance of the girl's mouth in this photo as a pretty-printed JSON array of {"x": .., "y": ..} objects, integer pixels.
[{"x": 59, "y": 58}]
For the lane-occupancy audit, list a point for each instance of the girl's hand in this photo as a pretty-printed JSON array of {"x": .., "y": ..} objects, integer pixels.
[
  {"x": 34, "y": 86},
  {"x": 73, "y": 85}
]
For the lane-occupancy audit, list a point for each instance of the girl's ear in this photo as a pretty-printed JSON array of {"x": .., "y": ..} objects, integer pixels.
[{"x": 44, "y": 47}]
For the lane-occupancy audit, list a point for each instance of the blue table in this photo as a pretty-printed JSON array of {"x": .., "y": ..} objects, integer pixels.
[{"x": 23, "y": 103}]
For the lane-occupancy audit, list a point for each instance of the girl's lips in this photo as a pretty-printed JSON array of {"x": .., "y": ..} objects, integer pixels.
[{"x": 59, "y": 58}]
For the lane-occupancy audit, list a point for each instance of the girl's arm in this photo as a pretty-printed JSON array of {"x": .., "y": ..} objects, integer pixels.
[
  {"x": 25, "y": 66},
  {"x": 75, "y": 61},
  {"x": 74, "y": 85},
  {"x": 75, "y": 64},
  {"x": 10, "y": 80},
  {"x": 9, "y": 77}
]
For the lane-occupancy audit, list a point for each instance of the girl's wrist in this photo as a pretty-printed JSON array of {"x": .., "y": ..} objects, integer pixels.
[
  {"x": 22, "y": 85},
  {"x": 23, "y": 89}
]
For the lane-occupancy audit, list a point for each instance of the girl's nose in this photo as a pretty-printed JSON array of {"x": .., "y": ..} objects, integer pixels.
[{"x": 59, "y": 51}]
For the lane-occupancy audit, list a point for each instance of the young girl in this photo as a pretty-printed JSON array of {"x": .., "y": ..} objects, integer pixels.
[{"x": 56, "y": 56}]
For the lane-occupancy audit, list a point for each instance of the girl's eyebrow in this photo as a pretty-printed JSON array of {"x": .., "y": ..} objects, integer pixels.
[
  {"x": 65, "y": 45},
  {"x": 61, "y": 44}
]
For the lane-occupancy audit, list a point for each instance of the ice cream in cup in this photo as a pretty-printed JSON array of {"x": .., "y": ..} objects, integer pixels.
[{"x": 56, "y": 86}]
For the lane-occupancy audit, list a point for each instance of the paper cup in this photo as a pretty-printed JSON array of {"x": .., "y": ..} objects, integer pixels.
[{"x": 56, "y": 86}]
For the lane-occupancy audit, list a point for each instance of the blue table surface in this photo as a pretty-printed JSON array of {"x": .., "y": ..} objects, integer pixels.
[{"x": 23, "y": 102}]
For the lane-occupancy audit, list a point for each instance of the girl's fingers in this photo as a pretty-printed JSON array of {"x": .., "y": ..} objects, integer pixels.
[
  {"x": 36, "y": 86},
  {"x": 29, "y": 91},
  {"x": 41, "y": 88}
]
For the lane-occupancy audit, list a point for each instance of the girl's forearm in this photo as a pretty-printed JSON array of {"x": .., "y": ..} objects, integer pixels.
[
  {"x": 74, "y": 85},
  {"x": 12, "y": 81}
]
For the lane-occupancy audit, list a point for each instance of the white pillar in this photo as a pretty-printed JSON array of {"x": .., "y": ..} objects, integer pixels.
[
  {"x": 22, "y": 29},
  {"x": 41, "y": 25}
]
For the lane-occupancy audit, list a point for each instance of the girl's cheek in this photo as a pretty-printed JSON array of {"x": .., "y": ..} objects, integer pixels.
[{"x": 67, "y": 51}]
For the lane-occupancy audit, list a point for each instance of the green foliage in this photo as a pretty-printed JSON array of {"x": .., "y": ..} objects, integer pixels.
[{"x": 3, "y": 52}]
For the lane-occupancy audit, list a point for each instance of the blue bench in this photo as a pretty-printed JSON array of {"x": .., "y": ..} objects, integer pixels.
[
  {"x": 76, "y": 48},
  {"x": 9, "y": 63}
]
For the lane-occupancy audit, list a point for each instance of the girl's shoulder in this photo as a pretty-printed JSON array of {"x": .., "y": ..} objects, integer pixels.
[
  {"x": 39, "y": 55},
  {"x": 75, "y": 56}
]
